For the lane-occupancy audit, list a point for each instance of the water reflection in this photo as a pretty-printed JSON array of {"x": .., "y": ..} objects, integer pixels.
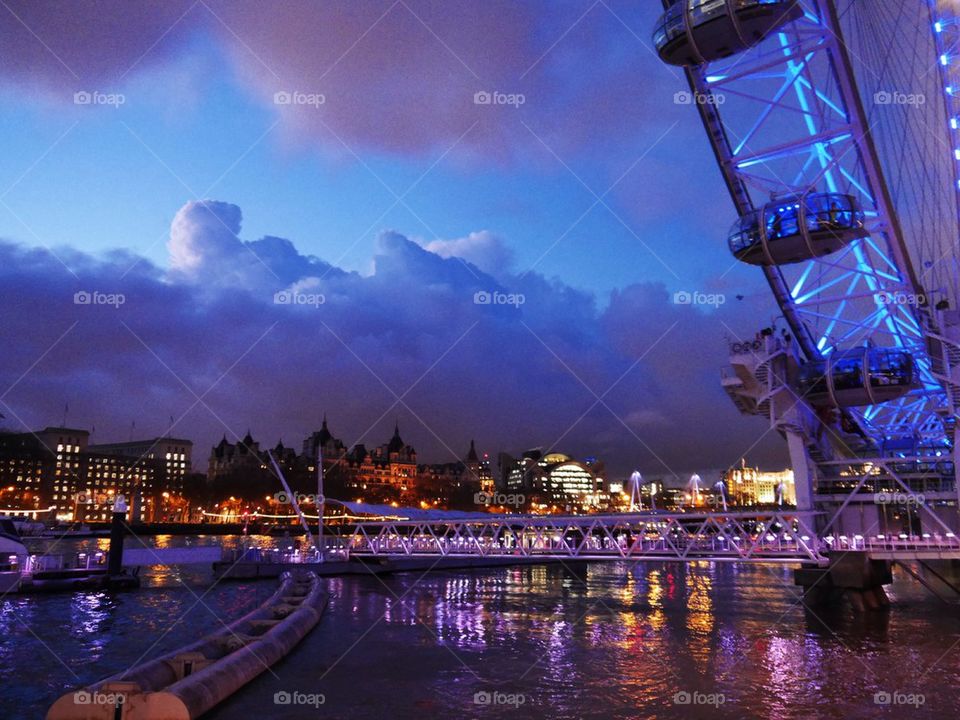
[
  {"x": 632, "y": 635},
  {"x": 619, "y": 643},
  {"x": 91, "y": 620},
  {"x": 699, "y": 614}
]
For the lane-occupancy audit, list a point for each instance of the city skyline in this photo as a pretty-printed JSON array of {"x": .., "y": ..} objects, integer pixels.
[
  {"x": 137, "y": 436},
  {"x": 56, "y": 475}
]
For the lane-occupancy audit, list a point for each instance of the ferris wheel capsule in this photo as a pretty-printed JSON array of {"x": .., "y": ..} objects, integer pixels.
[
  {"x": 793, "y": 228},
  {"x": 694, "y": 32},
  {"x": 860, "y": 376}
]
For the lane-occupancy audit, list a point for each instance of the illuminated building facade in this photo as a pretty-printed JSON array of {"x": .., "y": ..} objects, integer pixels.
[
  {"x": 751, "y": 486},
  {"x": 56, "y": 469},
  {"x": 554, "y": 479},
  {"x": 22, "y": 465},
  {"x": 479, "y": 472},
  {"x": 172, "y": 456},
  {"x": 393, "y": 463},
  {"x": 243, "y": 470},
  {"x": 104, "y": 477},
  {"x": 390, "y": 473},
  {"x": 171, "y": 459}
]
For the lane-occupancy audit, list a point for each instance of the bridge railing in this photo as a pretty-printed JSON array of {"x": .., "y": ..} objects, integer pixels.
[
  {"x": 680, "y": 536},
  {"x": 773, "y": 536},
  {"x": 945, "y": 542},
  {"x": 335, "y": 548},
  {"x": 735, "y": 537}
]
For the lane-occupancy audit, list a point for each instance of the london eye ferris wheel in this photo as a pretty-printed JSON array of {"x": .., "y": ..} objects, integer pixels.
[{"x": 835, "y": 126}]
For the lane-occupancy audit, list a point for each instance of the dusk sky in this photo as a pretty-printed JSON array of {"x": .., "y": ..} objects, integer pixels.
[{"x": 384, "y": 197}]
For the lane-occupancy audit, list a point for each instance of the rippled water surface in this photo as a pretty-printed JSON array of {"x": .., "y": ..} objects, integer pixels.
[{"x": 629, "y": 641}]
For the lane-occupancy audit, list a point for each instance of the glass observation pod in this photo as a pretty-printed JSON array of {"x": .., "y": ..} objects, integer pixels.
[
  {"x": 793, "y": 228},
  {"x": 694, "y": 32},
  {"x": 861, "y": 376}
]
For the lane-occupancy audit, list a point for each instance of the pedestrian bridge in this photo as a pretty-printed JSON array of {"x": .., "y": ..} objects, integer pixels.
[
  {"x": 764, "y": 537},
  {"x": 776, "y": 536}
]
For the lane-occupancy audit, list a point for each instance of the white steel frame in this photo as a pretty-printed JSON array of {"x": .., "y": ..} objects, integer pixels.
[{"x": 737, "y": 536}]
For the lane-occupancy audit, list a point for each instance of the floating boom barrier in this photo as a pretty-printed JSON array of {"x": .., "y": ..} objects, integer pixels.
[{"x": 185, "y": 683}]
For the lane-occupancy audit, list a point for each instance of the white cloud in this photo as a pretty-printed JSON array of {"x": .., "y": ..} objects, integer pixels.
[
  {"x": 484, "y": 249},
  {"x": 204, "y": 234}
]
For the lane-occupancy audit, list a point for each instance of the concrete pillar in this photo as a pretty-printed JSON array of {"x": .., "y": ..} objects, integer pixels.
[
  {"x": 803, "y": 477},
  {"x": 802, "y": 471},
  {"x": 850, "y": 575}
]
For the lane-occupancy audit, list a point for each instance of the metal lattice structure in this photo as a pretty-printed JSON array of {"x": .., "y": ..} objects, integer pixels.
[
  {"x": 760, "y": 537},
  {"x": 849, "y": 99},
  {"x": 751, "y": 537}
]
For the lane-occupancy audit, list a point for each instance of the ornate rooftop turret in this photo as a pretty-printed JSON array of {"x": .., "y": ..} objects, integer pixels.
[
  {"x": 472, "y": 455},
  {"x": 396, "y": 443}
]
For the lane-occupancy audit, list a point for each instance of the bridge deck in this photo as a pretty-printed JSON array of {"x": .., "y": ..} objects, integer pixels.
[{"x": 775, "y": 536}]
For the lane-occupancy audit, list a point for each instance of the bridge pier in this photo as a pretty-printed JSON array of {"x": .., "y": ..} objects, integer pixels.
[{"x": 852, "y": 575}]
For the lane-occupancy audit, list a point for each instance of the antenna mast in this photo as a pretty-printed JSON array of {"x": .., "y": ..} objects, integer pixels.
[
  {"x": 321, "y": 502},
  {"x": 293, "y": 498}
]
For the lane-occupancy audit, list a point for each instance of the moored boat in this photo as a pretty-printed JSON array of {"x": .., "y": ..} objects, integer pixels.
[
  {"x": 12, "y": 555},
  {"x": 10, "y": 542},
  {"x": 21, "y": 571}
]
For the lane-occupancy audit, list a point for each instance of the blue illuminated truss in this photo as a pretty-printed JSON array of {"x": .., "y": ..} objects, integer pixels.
[{"x": 798, "y": 114}]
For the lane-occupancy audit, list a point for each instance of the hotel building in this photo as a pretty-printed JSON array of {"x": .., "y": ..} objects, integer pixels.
[{"x": 56, "y": 472}]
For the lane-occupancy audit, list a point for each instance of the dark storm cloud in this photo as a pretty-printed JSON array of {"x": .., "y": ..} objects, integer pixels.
[
  {"x": 269, "y": 339},
  {"x": 63, "y": 45},
  {"x": 400, "y": 77}
]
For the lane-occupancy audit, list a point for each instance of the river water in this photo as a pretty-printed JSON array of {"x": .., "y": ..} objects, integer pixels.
[{"x": 637, "y": 640}]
